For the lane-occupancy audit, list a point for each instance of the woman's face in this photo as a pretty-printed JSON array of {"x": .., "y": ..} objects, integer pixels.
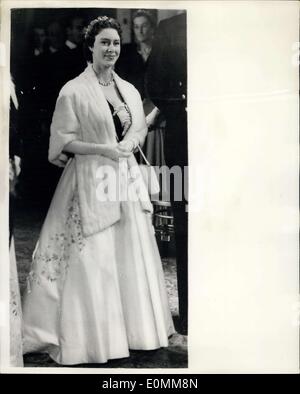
[
  {"x": 106, "y": 49},
  {"x": 142, "y": 29}
]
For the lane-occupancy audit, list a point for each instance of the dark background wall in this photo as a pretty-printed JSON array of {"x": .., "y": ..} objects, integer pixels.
[{"x": 23, "y": 21}]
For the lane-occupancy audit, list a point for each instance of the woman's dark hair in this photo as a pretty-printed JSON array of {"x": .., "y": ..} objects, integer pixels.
[
  {"x": 147, "y": 14},
  {"x": 94, "y": 28}
]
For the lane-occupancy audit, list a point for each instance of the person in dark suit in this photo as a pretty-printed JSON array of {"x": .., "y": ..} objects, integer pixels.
[
  {"x": 56, "y": 67},
  {"x": 166, "y": 84},
  {"x": 75, "y": 35}
]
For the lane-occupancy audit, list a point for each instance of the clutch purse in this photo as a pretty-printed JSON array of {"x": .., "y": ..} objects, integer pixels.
[{"x": 149, "y": 175}]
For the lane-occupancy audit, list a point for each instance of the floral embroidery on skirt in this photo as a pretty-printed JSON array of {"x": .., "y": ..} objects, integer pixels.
[{"x": 53, "y": 261}]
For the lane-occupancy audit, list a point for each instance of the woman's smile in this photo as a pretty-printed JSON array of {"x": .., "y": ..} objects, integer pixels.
[{"x": 109, "y": 56}]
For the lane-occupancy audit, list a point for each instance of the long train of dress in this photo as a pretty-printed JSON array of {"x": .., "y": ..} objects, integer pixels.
[{"x": 90, "y": 299}]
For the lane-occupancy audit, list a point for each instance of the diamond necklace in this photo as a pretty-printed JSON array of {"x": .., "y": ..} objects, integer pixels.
[{"x": 104, "y": 83}]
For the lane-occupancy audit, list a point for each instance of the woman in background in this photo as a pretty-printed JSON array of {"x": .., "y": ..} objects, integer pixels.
[{"x": 132, "y": 66}]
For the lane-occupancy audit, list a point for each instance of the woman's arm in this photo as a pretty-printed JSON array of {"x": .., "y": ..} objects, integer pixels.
[
  {"x": 111, "y": 151},
  {"x": 132, "y": 140}
]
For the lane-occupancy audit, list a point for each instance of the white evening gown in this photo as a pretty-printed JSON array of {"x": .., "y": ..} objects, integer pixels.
[{"x": 90, "y": 299}]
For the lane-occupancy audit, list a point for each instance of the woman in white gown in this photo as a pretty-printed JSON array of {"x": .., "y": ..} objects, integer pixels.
[{"x": 96, "y": 287}]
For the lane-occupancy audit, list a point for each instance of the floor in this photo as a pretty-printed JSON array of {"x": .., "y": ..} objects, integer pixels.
[{"x": 28, "y": 222}]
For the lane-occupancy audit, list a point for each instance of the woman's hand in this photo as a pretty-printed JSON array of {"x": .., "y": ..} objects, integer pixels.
[
  {"x": 62, "y": 160},
  {"x": 115, "y": 152},
  {"x": 152, "y": 117},
  {"x": 127, "y": 145}
]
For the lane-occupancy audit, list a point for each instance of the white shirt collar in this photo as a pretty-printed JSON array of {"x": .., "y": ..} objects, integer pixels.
[{"x": 70, "y": 44}]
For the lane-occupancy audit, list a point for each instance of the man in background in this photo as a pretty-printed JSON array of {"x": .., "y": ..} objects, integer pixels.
[{"x": 75, "y": 36}]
